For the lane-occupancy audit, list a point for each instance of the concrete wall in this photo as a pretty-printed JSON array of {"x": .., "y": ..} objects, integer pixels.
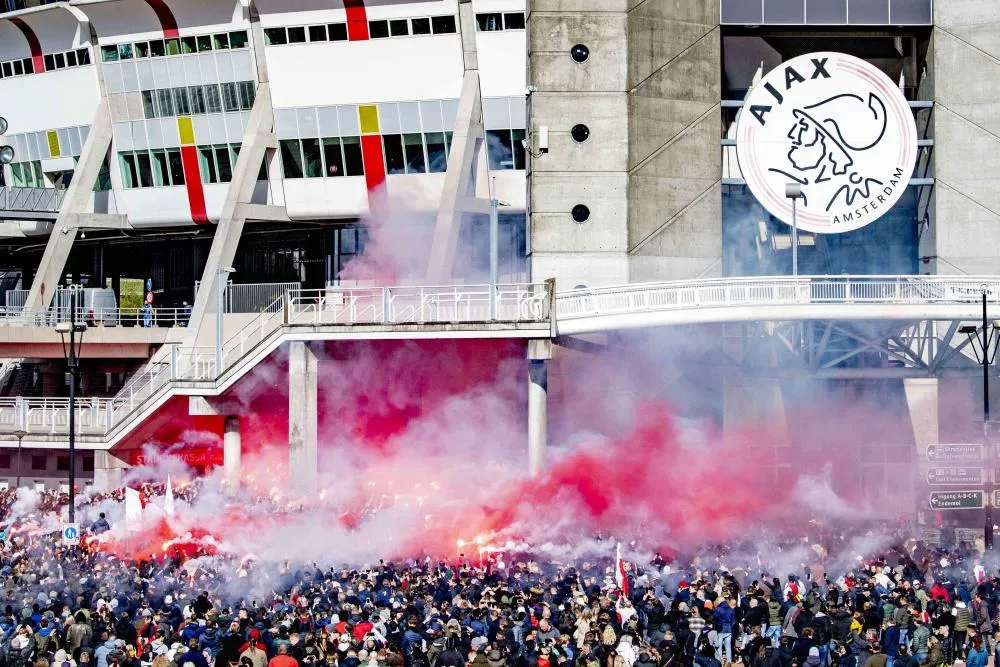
[
  {"x": 964, "y": 69},
  {"x": 650, "y": 172}
]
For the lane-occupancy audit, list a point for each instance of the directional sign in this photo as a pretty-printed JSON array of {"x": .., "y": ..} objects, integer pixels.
[
  {"x": 947, "y": 453},
  {"x": 71, "y": 534},
  {"x": 963, "y": 476},
  {"x": 957, "y": 500}
]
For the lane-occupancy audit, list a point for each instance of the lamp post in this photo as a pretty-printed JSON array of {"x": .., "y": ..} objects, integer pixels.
[
  {"x": 495, "y": 205},
  {"x": 793, "y": 191},
  {"x": 19, "y": 434},
  {"x": 986, "y": 353},
  {"x": 221, "y": 280},
  {"x": 72, "y": 355}
]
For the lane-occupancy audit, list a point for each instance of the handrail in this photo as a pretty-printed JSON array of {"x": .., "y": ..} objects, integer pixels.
[{"x": 30, "y": 199}]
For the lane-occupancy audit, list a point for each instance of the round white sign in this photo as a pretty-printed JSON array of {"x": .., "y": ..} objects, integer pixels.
[{"x": 838, "y": 127}]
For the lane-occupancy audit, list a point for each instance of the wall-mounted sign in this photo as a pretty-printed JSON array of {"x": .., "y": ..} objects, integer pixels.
[{"x": 838, "y": 127}]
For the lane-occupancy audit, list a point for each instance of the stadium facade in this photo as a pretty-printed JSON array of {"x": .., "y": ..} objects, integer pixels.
[{"x": 164, "y": 140}]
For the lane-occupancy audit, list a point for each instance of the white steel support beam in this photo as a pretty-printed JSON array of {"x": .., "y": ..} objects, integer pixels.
[
  {"x": 76, "y": 202},
  {"x": 303, "y": 416}
]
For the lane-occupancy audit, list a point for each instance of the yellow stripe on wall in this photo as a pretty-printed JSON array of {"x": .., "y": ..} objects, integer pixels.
[
  {"x": 54, "y": 143},
  {"x": 368, "y": 114},
  {"x": 186, "y": 129}
]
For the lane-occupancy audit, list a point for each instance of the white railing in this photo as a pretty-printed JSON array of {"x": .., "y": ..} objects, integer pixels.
[
  {"x": 331, "y": 306},
  {"x": 252, "y": 297},
  {"x": 723, "y": 292},
  {"x": 30, "y": 199},
  {"x": 95, "y": 317}
]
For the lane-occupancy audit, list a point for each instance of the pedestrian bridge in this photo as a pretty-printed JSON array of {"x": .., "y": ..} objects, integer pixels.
[{"x": 508, "y": 311}]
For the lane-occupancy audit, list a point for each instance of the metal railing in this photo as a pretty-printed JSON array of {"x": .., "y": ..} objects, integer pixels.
[
  {"x": 95, "y": 317},
  {"x": 30, "y": 199},
  {"x": 326, "y": 307},
  {"x": 724, "y": 292},
  {"x": 16, "y": 298},
  {"x": 253, "y": 297}
]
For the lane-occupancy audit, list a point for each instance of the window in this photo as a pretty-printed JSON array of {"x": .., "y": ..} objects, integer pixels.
[
  {"x": 230, "y": 97},
  {"x": 157, "y": 48},
  {"x": 317, "y": 33},
  {"x": 165, "y": 102},
  {"x": 38, "y": 462},
  {"x": 399, "y": 27},
  {"x": 204, "y": 43},
  {"x": 354, "y": 164},
  {"x": 238, "y": 39},
  {"x": 189, "y": 45},
  {"x": 130, "y": 174},
  {"x": 519, "y": 158},
  {"x": 8, "y": 69},
  {"x": 109, "y": 54},
  {"x": 296, "y": 35},
  {"x": 60, "y": 61},
  {"x": 197, "y": 94},
  {"x": 333, "y": 157},
  {"x": 18, "y": 68},
  {"x": 71, "y": 59},
  {"x": 312, "y": 157},
  {"x": 142, "y": 49},
  {"x": 161, "y": 172},
  {"x": 103, "y": 182},
  {"x": 173, "y": 47},
  {"x": 489, "y": 22},
  {"x": 88, "y": 464},
  {"x": 145, "y": 169},
  {"x": 513, "y": 21},
  {"x": 378, "y": 29},
  {"x": 273, "y": 36},
  {"x": 182, "y": 104},
  {"x": 395, "y": 163},
  {"x": 62, "y": 463},
  {"x": 213, "y": 101},
  {"x": 125, "y": 51},
  {"x": 83, "y": 56},
  {"x": 501, "y": 152},
  {"x": 337, "y": 32},
  {"x": 223, "y": 159},
  {"x": 50, "y": 62},
  {"x": 437, "y": 153},
  {"x": 221, "y": 41},
  {"x": 29, "y": 65},
  {"x": 421, "y": 26},
  {"x": 415, "y": 161},
  {"x": 176, "y": 167},
  {"x": 443, "y": 24},
  {"x": 247, "y": 95},
  {"x": 206, "y": 157},
  {"x": 291, "y": 158}
]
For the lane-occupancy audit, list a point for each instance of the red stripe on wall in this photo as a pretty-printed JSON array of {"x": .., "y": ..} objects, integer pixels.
[
  {"x": 33, "y": 44},
  {"x": 371, "y": 152},
  {"x": 192, "y": 179},
  {"x": 357, "y": 20},
  {"x": 167, "y": 20}
]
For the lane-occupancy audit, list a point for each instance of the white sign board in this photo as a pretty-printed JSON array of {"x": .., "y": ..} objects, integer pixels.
[
  {"x": 71, "y": 534},
  {"x": 838, "y": 127}
]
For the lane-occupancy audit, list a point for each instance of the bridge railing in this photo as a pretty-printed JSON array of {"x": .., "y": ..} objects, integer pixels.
[
  {"x": 30, "y": 199},
  {"x": 95, "y": 317}
]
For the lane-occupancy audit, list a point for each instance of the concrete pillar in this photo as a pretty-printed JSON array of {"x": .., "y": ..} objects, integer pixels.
[
  {"x": 539, "y": 353},
  {"x": 303, "y": 417},
  {"x": 922, "y": 402},
  {"x": 232, "y": 448},
  {"x": 109, "y": 471}
]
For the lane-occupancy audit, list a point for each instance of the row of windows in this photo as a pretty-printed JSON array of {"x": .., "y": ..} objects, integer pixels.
[
  {"x": 77, "y": 58},
  {"x": 197, "y": 100},
  {"x": 505, "y": 149},
  {"x": 64, "y": 142},
  {"x": 157, "y": 48},
  {"x": 337, "y": 32},
  {"x": 27, "y": 175},
  {"x": 492, "y": 21},
  {"x": 164, "y": 167},
  {"x": 342, "y": 156}
]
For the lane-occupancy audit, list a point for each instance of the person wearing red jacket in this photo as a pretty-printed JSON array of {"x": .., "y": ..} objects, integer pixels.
[
  {"x": 283, "y": 659},
  {"x": 939, "y": 592},
  {"x": 362, "y": 628}
]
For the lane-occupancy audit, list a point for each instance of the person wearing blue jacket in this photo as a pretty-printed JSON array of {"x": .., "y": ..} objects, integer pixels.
[
  {"x": 724, "y": 619},
  {"x": 977, "y": 655}
]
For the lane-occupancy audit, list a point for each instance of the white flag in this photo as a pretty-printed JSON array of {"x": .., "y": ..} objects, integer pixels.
[{"x": 168, "y": 502}]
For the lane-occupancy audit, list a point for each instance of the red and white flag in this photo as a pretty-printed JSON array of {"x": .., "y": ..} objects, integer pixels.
[{"x": 620, "y": 577}]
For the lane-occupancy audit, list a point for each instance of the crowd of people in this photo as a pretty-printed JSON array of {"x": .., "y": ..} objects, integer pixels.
[{"x": 913, "y": 606}]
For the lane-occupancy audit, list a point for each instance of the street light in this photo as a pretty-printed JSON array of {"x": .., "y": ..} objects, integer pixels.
[
  {"x": 19, "y": 434},
  {"x": 793, "y": 191},
  {"x": 985, "y": 349},
  {"x": 221, "y": 278},
  {"x": 71, "y": 353}
]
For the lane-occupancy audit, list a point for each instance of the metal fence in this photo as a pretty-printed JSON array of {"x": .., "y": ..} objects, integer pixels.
[
  {"x": 30, "y": 199},
  {"x": 253, "y": 297}
]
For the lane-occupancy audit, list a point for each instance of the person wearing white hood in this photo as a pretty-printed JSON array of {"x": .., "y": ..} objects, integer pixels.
[{"x": 62, "y": 659}]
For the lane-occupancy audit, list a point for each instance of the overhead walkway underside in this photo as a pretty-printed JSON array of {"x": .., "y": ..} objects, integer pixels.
[{"x": 911, "y": 323}]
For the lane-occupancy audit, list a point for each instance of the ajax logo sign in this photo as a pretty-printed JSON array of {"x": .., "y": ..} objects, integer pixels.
[{"x": 837, "y": 126}]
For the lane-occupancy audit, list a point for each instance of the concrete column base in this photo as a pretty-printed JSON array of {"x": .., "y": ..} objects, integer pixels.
[
  {"x": 303, "y": 417},
  {"x": 109, "y": 471},
  {"x": 232, "y": 447}
]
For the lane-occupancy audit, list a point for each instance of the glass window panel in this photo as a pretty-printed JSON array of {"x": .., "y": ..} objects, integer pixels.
[
  {"x": 165, "y": 102},
  {"x": 125, "y": 51},
  {"x": 230, "y": 97},
  {"x": 291, "y": 158},
  {"x": 409, "y": 117},
  {"x": 489, "y": 22},
  {"x": 213, "y": 101},
  {"x": 348, "y": 116},
  {"x": 173, "y": 47},
  {"x": 109, "y": 54},
  {"x": 910, "y": 12},
  {"x": 867, "y": 12},
  {"x": 742, "y": 12},
  {"x": 182, "y": 104},
  {"x": 415, "y": 161},
  {"x": 206, "y": 157},
  {"x": 149, "y": 104},
  {"x": 313, "y": 158},
  {"x": 221, "y": 41},
  {"x": 238, "y": 39},
  {"x": 388, "y": 116},
  {"x": 18, "y": 68},
  {"x": 130, "y": 175},
  {"x": 60, "y": 61},
  {"x": 443, "y": 24},
  {"x": 176, "y": 167},
  {"x": 17, "y": 177},
  {"x": 161, "y": 172},
  {"x": 29, "y": 65},
  {"x": 197, "y": 94},
  {"x": 145, "y": 169},
  {"x": 513, "y": 21},
  {"x": 421, "y": 26},
  {"x": 437, "y": 153},
  {"x": 784, "y": 11},
  {"x": 354, "y": 164},
  {"x": 496, "y": 113},
  {"x": 71, "y": 59},
  {"x": 317, "y": 33},
  {"x": 157, "y": 48},
  {"x": 501, "y": 153},
  {"x": 204, "y": 43},
  {"x": 518, "y": 111},
  {"x": 247, "y": 95},
  {"x": 337, "y": 32},
  {"x": 399, "y": 27},
  {"x": 189, "y": 45},
  {"x": 395, "y": 162},
  {"x": 826, "y": 12},
  {"x": 8, "y": 69},
  {"x": 50, "y": 62},
  {"x": 328, "y": 125},
  {"x": 378, "y": 29},
  {"x": 518, "y": 146},
  {"x": 296, "y": 35},
  {"x": 83, "y": 56},
  {"x": 222, "y": 159},
  {"x": 333, "y": 157}
]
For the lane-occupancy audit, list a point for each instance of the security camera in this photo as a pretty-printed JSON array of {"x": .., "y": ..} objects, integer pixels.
[
  {"x": 543, "y": 139},
  {"x": 530, "y": 89}
]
